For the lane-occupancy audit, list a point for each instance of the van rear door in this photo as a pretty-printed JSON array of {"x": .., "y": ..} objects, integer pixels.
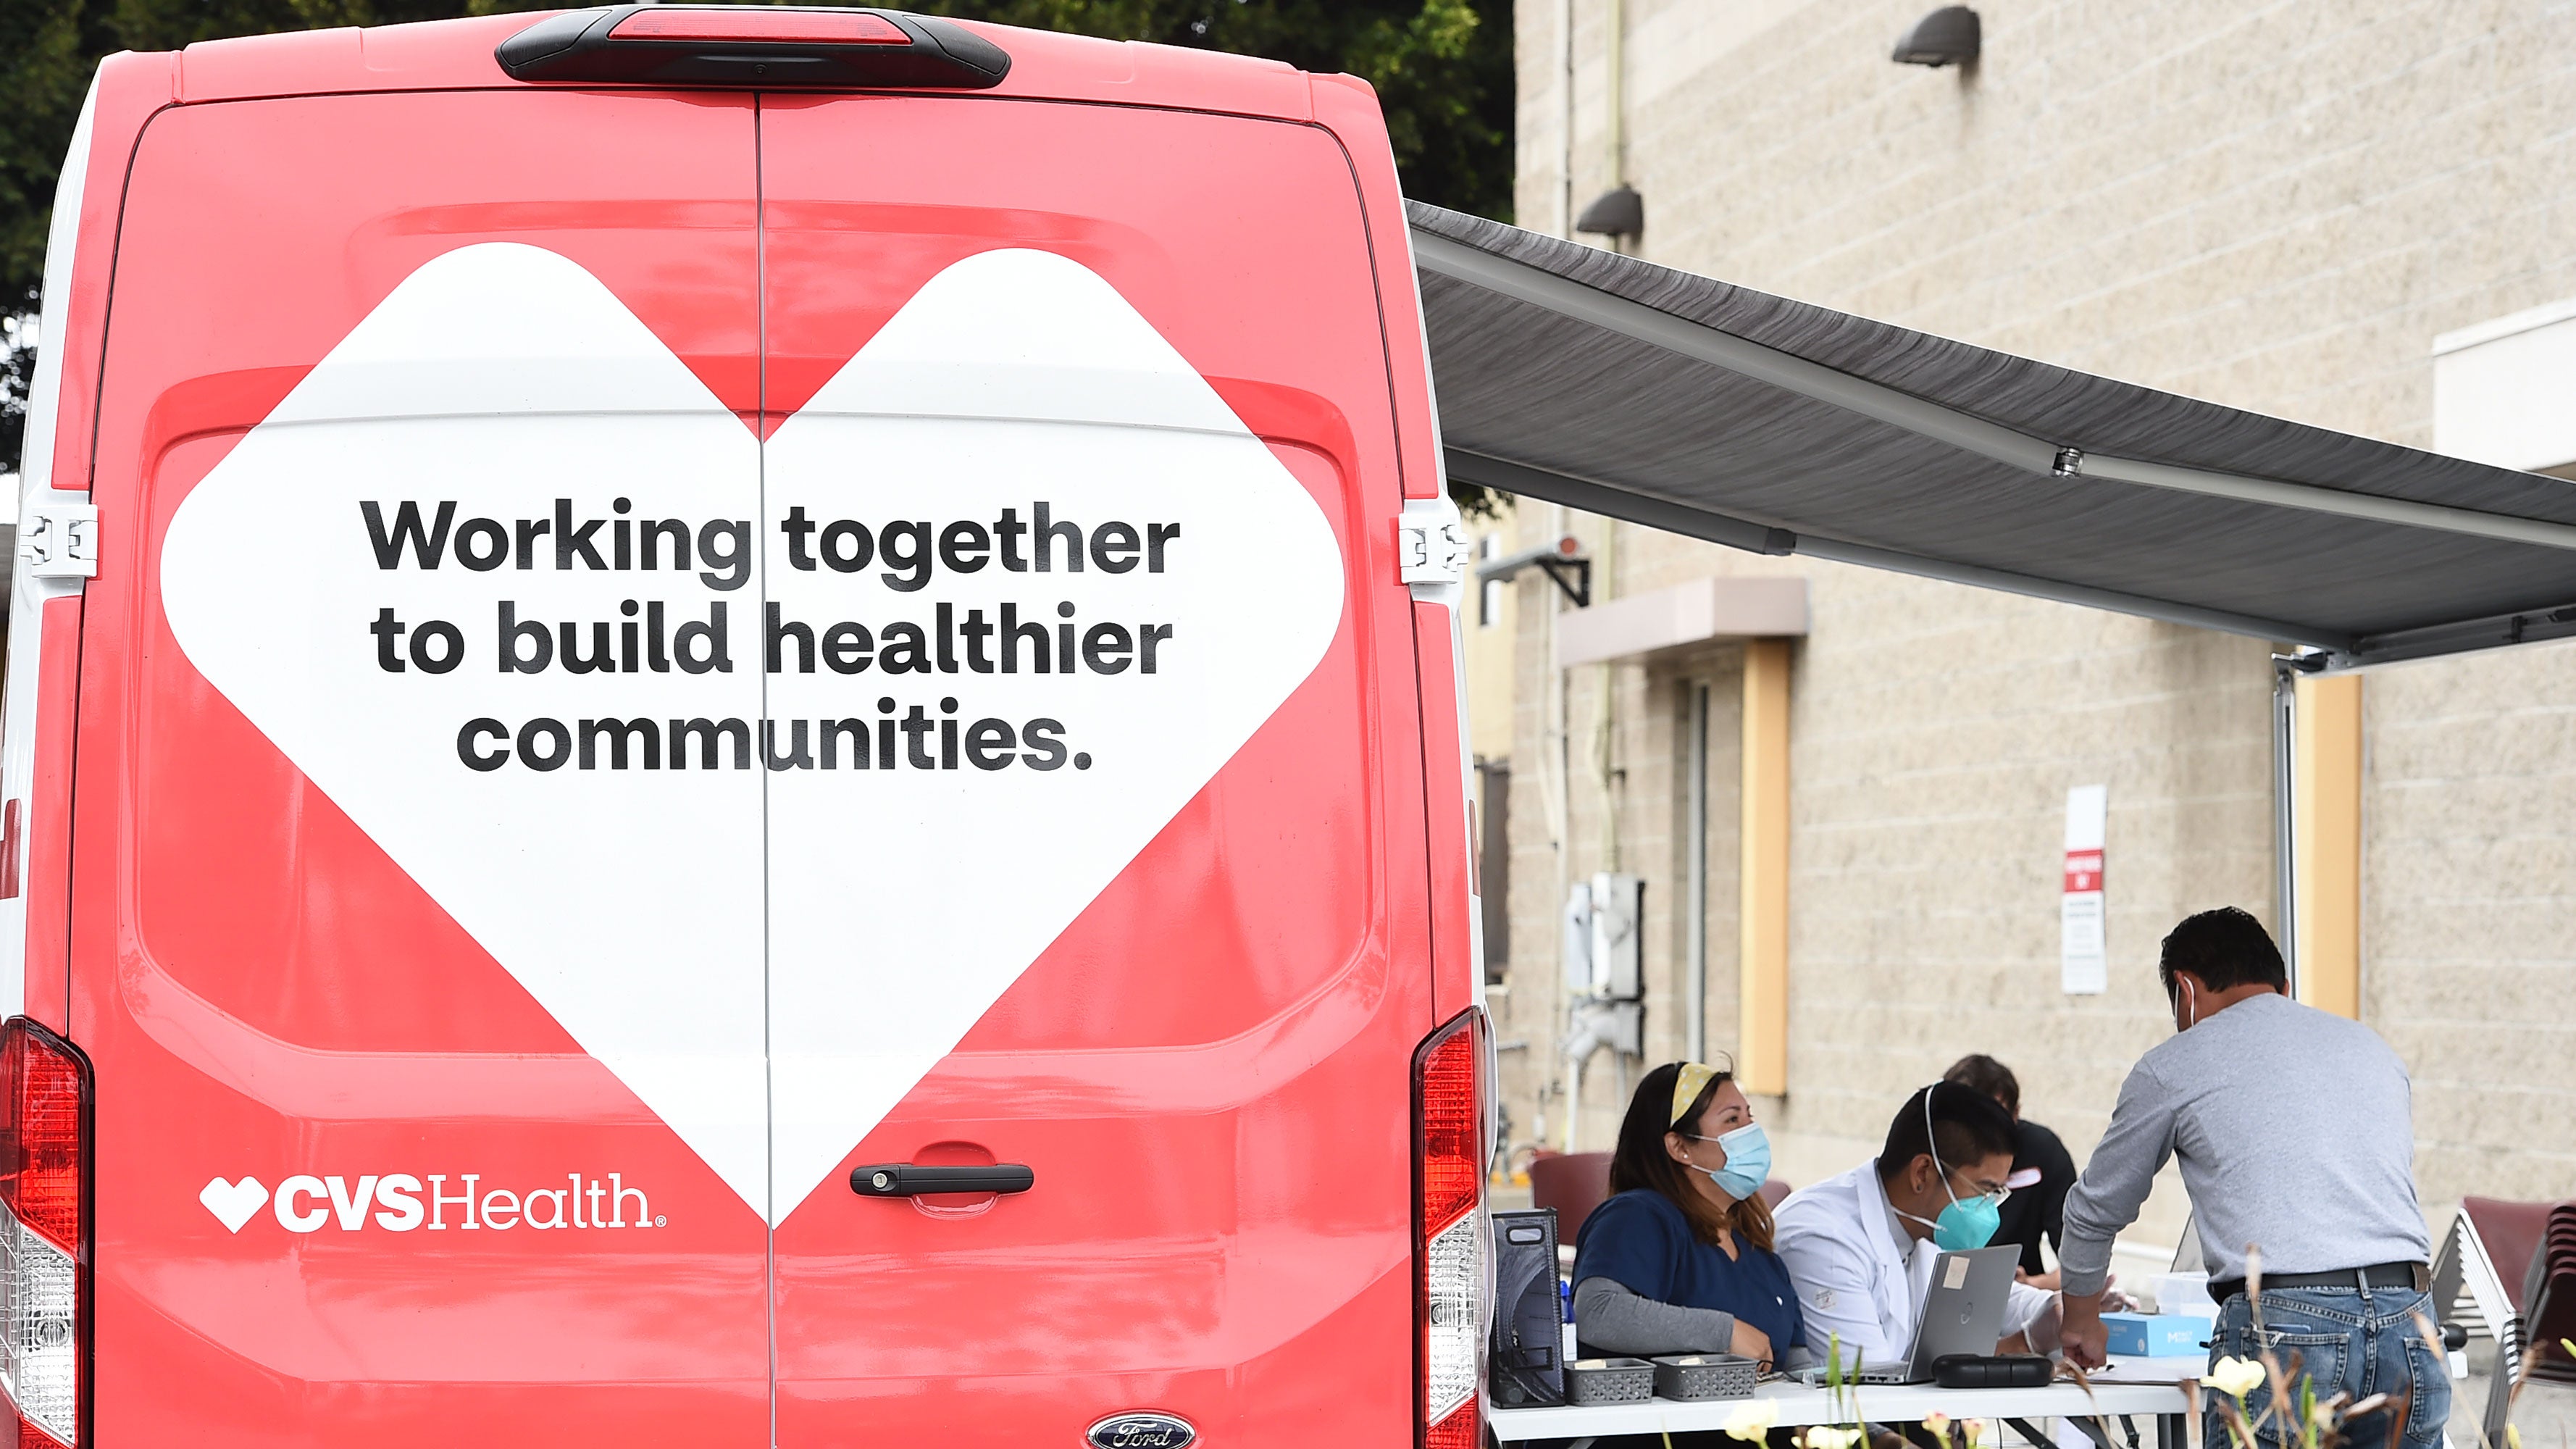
[
  {"x": 1104, "y": 390},
  {"x": 430, "y": 1073}
]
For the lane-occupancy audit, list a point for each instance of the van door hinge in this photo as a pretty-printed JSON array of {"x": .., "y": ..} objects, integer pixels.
[
  {"x": 59, "y": 540},
  {"x": 1430, "y": 542}
]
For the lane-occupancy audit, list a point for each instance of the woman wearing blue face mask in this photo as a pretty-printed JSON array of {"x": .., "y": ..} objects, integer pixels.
[{"x": 1679, "y": 1259}]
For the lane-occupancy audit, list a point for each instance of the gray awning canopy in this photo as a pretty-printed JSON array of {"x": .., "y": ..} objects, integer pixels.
[{"x": 1620, "y": 387}]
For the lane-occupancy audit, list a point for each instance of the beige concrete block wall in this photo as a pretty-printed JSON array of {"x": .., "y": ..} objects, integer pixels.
[
  {"x": 2275, "y": 205},
  {"x": 2469, "y": 913},
  {"x": 1930, "y": 761}
]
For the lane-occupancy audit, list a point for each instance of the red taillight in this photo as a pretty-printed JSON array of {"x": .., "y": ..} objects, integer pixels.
[
  {"x": 1449, "y": 1231},
  {"x": 44, "y": 1234},
  {"x": 1450, "y": 1148},
  {"x": 9, "y": 851},
  {"x": 41, "y": 1146},
  {"x": 748, "y": 23},
  {"x": 1464, "y": 1429}
]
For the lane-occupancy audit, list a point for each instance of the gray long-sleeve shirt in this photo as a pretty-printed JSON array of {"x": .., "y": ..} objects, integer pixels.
[
  {"x": 2296, "y": 1133},
  {"x": 1614, "y": 1318}
]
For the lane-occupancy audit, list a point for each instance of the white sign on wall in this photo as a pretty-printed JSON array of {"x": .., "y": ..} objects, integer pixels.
[{"x": 2082, "y": 957}]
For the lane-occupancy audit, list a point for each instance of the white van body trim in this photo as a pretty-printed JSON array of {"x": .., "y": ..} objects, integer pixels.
[
  {"x": 29, "y": 593},
  {"x": 1453, "y": 597}
]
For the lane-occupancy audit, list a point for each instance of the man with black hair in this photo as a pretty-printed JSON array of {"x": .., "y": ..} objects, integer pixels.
[
  {"x": 2295, "y": 1132},
  {"x": 2042, "y": 1170},
  {"x": 1860, "y": 1247}
]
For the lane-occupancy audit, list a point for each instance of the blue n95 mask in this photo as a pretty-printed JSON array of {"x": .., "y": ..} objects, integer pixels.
[
  {"x": 1965, "y": 1225},
  {"x": 1962, "y": 1225},
  {"x": 1748, "y": 1161}
]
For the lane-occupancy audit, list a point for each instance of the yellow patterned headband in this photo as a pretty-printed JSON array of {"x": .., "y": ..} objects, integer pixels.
[{"x": 1693, "y": 1080}]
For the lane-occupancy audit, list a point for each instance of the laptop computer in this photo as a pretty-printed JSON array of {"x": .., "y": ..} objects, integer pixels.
[{"x": 1962, "y": 1312}]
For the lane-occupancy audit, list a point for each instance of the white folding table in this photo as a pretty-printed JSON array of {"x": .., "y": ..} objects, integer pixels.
[{"x": 2129, "y": 1386}]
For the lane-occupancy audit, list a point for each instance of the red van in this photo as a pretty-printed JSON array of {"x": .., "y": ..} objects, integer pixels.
[{"x": 735, "y": 727}]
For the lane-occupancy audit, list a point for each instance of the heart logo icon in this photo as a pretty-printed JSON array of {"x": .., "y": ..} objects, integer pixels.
[
  {"x": 233, "y": 1203},
  {"x": 831, "y": 737}
]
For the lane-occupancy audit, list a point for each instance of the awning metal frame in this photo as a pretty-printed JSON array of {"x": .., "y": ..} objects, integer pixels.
[
  {"x": 1565, "y": 297},
  {"x": 1593, "y": 496},
  {"x": 1571, "y": 572}
]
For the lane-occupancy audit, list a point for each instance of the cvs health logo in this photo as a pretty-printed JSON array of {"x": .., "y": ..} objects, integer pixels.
[{"x": 400, "y": 1203}]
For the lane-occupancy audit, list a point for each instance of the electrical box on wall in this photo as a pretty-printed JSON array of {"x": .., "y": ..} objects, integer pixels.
[{"x": 1618, "y": 926}]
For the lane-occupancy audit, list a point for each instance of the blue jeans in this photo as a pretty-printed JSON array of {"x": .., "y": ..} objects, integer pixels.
[{"x": 2340, "y": 1340}]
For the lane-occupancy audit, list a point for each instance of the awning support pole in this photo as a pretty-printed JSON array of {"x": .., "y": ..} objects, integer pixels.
[{"x": 2285, "y": 874}]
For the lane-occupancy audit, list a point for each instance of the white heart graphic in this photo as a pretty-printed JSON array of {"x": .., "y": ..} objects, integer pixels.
[
  {"x": 233, "y": 1203},
  {"x": 781, "y": 1012}
]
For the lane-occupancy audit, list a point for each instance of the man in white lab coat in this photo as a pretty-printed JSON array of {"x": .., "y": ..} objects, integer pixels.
[{"x": 1860, "y": 1247}]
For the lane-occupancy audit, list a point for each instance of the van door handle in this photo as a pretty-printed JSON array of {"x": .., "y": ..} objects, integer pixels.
[{"x": 903, "y": 1179}]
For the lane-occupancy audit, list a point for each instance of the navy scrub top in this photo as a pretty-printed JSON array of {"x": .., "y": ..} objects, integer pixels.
[{"x": 1640, "y": 1240}]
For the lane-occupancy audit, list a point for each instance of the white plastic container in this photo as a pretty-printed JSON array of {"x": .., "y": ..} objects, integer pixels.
[{"x": 2184, "y": 1293}]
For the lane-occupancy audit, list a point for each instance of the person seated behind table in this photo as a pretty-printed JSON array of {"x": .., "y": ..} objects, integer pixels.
[
  {"x": 1679, "y": 1259},
  {"x": 2042, "y": 1171},
  {"x": 1860, "y": 1247}
]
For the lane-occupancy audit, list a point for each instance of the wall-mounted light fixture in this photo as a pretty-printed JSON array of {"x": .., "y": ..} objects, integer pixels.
[
  {"x": 1947, "y": 36},
  {"x": 1618, "y": 212}
]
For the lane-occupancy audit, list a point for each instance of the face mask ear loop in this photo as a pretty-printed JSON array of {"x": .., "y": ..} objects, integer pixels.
[{"x": 1932, "y": 1141}]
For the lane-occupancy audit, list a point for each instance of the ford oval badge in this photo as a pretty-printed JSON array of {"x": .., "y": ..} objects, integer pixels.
[{"x": 1142, "y": 1429}]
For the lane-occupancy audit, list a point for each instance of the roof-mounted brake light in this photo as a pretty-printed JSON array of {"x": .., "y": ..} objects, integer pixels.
[
  {"x": 753, "y": 46},
  {"x": 743, "y": 23}
]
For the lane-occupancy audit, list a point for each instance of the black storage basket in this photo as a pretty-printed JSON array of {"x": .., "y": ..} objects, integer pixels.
[
  {"x": 1609, "y": 1381},
  {"x": 1690, "y": 1376}
]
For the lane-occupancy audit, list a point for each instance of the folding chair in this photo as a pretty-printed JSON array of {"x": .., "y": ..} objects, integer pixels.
[
  {"x": 2549, "y": 1291},
  {"x": 2485, "y": 1259},
  {"x": 1573, "y": 1183}
]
